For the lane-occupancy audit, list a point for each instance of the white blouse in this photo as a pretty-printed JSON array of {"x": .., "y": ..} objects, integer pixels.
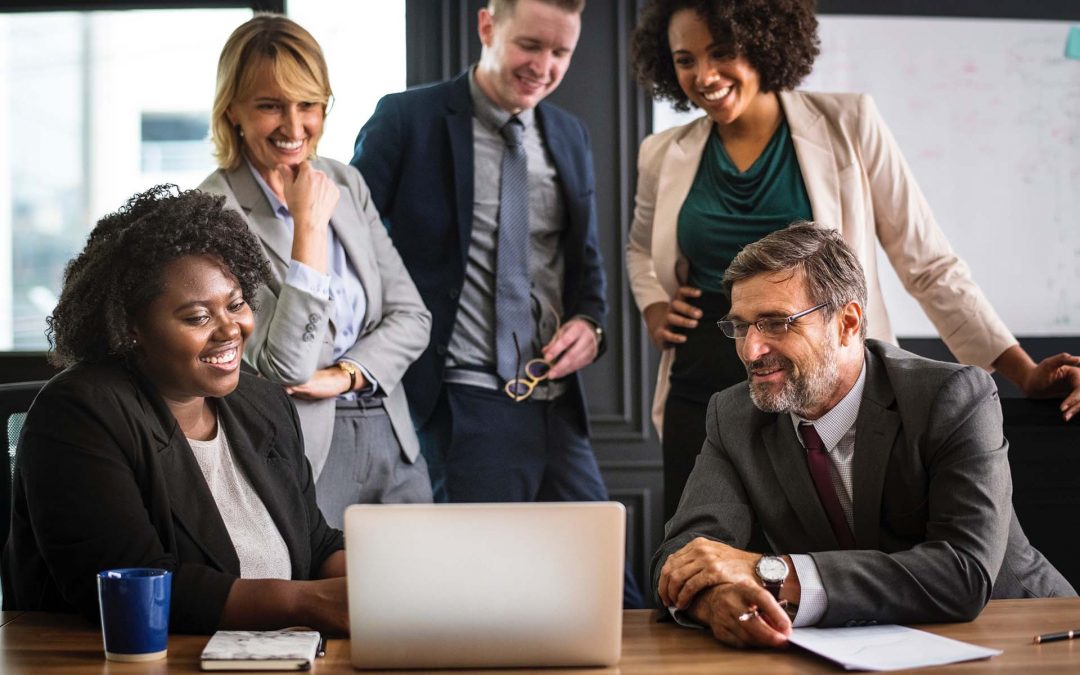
[{"x": 258, "y": 543}]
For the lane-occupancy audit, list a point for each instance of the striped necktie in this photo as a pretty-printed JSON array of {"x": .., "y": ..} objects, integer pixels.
[{"x": 513, "y": 304}]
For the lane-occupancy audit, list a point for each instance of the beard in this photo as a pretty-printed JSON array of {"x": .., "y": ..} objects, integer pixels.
[{"x": 800, "y": 393}]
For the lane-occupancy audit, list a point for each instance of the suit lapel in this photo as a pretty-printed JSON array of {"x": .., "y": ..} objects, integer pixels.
[
  {"x": 189, "y": 497},
  {"x": 810, "y": 135},
  {"x": 459, "y": 121},
  {"x": 251, "y": 441},
  {"x": 678, "y": 168},
  {"x": 789, "y": 460},
  {"x": 876, "y": 430},
  {"x": 275, "y": 236}
]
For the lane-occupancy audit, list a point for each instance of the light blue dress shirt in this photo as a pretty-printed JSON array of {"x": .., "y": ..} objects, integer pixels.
[{"x": 342, "y": 286}]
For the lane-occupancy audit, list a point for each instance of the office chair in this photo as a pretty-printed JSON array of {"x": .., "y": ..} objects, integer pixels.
[{"x": 15, "y": 400}]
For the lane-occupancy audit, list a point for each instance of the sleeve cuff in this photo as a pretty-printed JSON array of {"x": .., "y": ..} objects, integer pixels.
[
  {"x": 683, "y": 618},
  {"x": 813, "y": 601},
  {"x": 302, "y": 277},
  {"x": 371, "y": 385}
]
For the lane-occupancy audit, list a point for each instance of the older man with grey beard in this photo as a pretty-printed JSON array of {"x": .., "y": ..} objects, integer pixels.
[{"x": 879, "y": 479}]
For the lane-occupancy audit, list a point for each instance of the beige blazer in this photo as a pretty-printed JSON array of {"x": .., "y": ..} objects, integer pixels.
[
  {"x": 857, "y": 181},
  {"x": 294, "y": 331}
]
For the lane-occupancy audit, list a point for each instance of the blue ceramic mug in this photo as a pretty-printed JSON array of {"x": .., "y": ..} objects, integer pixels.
[{"x": 134, "y": 605}]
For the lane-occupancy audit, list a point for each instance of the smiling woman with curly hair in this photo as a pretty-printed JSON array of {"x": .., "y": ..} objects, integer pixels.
[
  {"x": 152, "y": 449},
  {"x": 117, "y": 273},
  {"x": 762, "y": 156}
]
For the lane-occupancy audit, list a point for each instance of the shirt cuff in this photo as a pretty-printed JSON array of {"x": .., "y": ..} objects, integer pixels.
[
  {"x": 302, "y": 277},
  {"x": 371, "y": 386},
  {"x": 813, "y": 601},
  {"x": 682, "y": 617}
]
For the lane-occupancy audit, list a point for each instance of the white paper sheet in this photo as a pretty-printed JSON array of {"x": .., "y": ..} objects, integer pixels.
[{"x": 886, "y": 647}]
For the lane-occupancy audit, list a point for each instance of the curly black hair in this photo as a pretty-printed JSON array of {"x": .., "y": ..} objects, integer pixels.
[
  {"x": 118, "y": 273},
  {"x": 777, "y": 37}
]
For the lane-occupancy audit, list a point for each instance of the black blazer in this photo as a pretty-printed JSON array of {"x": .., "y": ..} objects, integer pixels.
[
  {"x": 105, "y": 478},
  {"x": 416, "y": 155}
]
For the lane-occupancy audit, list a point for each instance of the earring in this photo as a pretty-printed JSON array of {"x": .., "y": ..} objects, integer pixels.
[{"x": 239, "y": 131}]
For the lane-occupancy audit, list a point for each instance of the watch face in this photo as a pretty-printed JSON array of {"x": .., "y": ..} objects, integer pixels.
[{"x": 772, "y": 569}]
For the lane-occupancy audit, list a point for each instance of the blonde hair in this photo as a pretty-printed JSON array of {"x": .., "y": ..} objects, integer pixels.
[{"x": 295, "y": 61}]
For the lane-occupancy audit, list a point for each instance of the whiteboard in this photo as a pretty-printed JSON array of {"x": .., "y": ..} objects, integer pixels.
[{"x": 987, "y": 113}]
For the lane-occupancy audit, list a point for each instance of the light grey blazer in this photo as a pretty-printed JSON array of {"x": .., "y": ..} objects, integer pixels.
[
  {"x": 935, "y": 531},
  {"x": 294, "y": 331}
]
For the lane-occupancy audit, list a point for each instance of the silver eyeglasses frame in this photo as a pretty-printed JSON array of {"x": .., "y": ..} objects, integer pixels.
[{"x": 770, "y": 326}]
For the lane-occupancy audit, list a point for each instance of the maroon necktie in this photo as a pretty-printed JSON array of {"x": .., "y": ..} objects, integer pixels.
[{"x": 818, "y": 461}]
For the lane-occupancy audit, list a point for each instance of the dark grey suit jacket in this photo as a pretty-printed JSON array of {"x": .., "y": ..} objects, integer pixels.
[
  {"x": 104, "y": 478},
  {"x": 935, "y": 530}
]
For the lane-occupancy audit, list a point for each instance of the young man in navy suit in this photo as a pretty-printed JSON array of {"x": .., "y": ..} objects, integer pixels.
[
  {"x": 436, "y": 160},
  {"x": 487, "y": 192}
]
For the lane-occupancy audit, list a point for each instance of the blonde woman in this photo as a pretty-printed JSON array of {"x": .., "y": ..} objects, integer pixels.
[{"x": 340, "y": 320}]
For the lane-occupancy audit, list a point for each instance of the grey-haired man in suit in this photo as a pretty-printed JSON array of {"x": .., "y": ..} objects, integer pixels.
[{"x": 879, "y": 479}]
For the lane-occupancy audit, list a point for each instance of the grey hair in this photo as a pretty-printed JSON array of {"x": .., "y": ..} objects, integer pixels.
[{"x": 833, "y": 274}]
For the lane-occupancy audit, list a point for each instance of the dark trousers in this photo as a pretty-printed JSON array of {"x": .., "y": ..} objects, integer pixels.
[
  {"x": 705, "y": 364},
  {"x": 481, "y": 446}
]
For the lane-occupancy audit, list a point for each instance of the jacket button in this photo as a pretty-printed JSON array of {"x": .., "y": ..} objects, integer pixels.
[
  {"x": 308, "y": 337},
  {"x": 454, "y": 293},
  {"x": 851, "y": 624},
  {"x": 310, "y": 327},
  {"x": 314, "y": 318},
  {"x": 440, "y": 350}
]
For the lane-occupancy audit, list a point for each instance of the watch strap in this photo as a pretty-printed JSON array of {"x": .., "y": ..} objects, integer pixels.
[{"x": 351, "y": 370}]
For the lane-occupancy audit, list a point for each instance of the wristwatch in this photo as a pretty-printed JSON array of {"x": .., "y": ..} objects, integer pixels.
[
  {"x": 351, "y": 370},
  {"x": 598, "y": 331},
  {"x": 772, "y": 570}
]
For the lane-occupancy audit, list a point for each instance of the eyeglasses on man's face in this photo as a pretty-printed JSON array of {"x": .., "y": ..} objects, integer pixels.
[{"x": 770, "y": 326}]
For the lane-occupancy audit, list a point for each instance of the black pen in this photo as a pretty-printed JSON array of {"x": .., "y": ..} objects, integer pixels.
[
  {"x": 322, "y": 646},
  {"x": 1054, "y": 637}
]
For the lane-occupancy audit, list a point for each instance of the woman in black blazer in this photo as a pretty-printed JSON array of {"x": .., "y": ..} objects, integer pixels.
[{"x": 152, "y": 449}]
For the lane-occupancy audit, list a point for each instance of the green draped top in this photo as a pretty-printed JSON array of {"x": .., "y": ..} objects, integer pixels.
[{"x": 727, "y": 209}]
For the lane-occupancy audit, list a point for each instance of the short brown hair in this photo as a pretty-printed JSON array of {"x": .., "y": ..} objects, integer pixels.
[
  {"x": 833, "y": 273},
  {"x": 777, "y": 37},
  {"x": 295, "y": 59},
  {"x": 500, "y": 8}
]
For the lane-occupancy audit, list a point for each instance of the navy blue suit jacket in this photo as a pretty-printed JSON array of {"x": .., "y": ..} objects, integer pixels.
[{"x": 416, "y": 155}]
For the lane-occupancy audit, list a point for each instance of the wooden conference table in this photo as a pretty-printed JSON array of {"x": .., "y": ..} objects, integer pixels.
[{"x": 44, "y": 644}]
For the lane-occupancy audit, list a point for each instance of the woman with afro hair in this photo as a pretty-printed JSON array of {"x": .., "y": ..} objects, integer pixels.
[
  {"x": 763, "y": 156},
  {"x": 153, "y": 449}
]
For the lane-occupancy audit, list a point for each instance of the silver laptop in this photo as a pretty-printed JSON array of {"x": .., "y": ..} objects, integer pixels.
[{"x": 485, "y": 585}]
